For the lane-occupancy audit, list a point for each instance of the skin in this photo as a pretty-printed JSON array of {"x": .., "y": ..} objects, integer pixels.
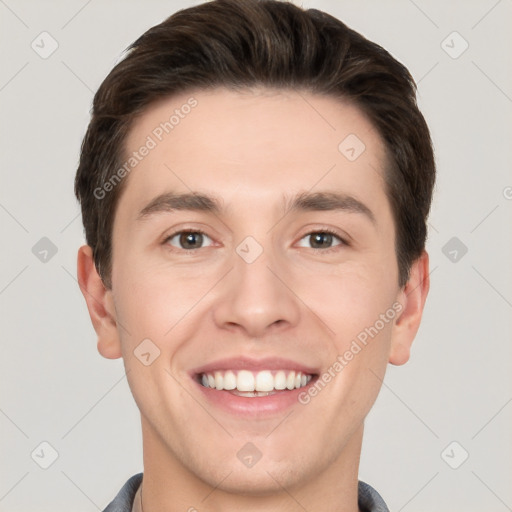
[{"x": 253, "y": 150}]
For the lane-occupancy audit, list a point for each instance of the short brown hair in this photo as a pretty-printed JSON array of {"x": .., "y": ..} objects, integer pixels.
[{"x": 241, "y": 44}]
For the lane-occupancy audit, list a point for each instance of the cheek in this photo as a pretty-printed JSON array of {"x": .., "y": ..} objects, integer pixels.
[
  {"x": 161, "y": 310},
  {"x": 151, "y": 299},
  {"x": 153, "y": 308},
  {"x": 350, "y": 299}
]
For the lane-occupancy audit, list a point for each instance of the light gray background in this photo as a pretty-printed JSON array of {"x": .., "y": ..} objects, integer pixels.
[{"x": 55, "y": 387}]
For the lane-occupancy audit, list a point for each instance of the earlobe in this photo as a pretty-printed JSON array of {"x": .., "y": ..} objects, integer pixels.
[
  {"x": 99, "y": 303},
  {"x": 412, "y": 297}
]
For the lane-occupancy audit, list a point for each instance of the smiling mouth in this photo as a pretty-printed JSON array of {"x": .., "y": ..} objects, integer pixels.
[{"x": 254, "y": 384}]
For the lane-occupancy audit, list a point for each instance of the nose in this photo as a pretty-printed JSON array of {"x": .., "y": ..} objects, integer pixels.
[{"x": 256, "y": 299}]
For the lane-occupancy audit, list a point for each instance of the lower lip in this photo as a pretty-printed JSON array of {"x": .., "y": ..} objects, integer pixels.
[{"x": 254, "y": 406}]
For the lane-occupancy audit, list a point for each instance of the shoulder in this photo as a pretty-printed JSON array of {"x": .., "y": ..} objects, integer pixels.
[
  {"x": 123, "y": 502},
  {"x": 370, "y": 500}
]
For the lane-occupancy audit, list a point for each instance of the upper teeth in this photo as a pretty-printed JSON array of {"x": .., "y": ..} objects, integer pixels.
[{"x": 244, "y": 380}]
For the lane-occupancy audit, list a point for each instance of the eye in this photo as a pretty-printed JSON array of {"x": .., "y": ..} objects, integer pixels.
[
  {"x": 189, "y": 240},
  {"x": 320, "y": 240}
]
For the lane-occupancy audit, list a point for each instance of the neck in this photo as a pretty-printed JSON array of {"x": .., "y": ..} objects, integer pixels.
[{"x": 170, "y": 486}]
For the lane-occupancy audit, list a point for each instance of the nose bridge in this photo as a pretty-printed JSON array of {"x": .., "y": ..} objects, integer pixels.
[
  {"x": 254, "y": 298},
  {"x": 254, "y": 279}
]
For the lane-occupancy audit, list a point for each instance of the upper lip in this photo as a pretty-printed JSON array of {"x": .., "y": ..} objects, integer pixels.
[{"x": 255, "y": 365}]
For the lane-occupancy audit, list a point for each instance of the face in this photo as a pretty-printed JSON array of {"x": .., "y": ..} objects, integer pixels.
[{"x": 255, "y": 296}]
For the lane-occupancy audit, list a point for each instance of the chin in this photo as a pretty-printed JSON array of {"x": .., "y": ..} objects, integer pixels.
[{"x": 263, "y": 479}]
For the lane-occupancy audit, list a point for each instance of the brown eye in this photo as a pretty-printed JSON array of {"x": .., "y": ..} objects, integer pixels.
[
  {"x": 189, "y": 240},
  {"x": 320, "y": 240}
]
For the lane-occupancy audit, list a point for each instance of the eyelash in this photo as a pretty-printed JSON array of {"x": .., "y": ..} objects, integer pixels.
[
  {"x": 180, "y": 232},
  {"x": 328, "y": 232},
  {"x": 315, "y": 249}
]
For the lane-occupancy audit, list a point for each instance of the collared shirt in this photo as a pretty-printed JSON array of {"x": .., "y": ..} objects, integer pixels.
[{"x": 369, "y": 499}]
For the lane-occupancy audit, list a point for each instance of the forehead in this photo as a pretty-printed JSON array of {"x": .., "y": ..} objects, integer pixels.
[{"x": 253, "y": 146}]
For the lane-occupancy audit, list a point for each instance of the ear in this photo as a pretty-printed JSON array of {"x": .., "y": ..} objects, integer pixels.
[
  {"x": 412, "y": 297},
  {"x": 100, "y": 304}
]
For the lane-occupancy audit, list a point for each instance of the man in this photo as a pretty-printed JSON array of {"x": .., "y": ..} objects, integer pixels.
[{"x": 255, "y": 183}]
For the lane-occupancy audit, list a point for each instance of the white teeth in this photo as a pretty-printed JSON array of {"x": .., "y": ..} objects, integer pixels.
[
  {"x": 245, "y": 381},
  {"x": 219, "y": 380},
  {"x": 280, "y": 380},
  {"x": 254, "y": 384},
  {"x": 290, "y": 381},
  {"x": 229, "y": 380},
  {"x": 264, "y": 381}
]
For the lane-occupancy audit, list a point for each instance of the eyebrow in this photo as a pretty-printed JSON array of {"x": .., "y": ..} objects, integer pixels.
[
  {"x": 324, "y": 201},
  {"x": 170, "y": 201},
  {"x": 305, "y": 201}
]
